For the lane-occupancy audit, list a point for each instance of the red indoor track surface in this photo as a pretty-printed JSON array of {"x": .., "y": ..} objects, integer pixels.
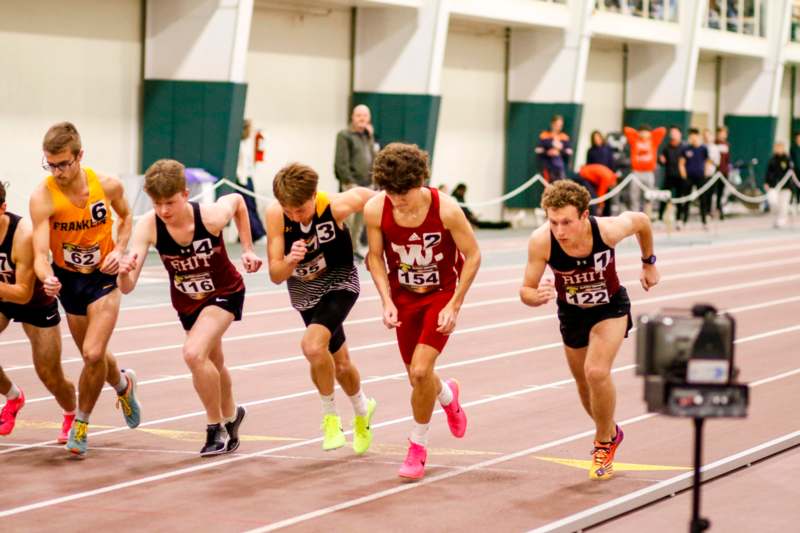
[{"x": 522, "y": 464}]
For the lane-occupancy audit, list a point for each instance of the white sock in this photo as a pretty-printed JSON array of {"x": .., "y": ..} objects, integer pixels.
[
  {"x": 419, "y": 434},
  {"x": 122, "y": 386},
  {"x": 13, "y": 392},
  {"x": 328, "y": 404},
  {"x": 359, "y": 401},
  {"x": 446, "y": 395}
]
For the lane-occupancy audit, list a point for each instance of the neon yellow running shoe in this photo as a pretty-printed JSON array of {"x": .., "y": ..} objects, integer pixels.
[
  {"x": 334, "y": 436},
  {"x": 362, "y": 435}
]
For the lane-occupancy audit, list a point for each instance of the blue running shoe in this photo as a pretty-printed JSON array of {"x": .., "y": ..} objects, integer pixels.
[
  {"x": 77, "y": 442},
  {"x": 131, "y": 409}
]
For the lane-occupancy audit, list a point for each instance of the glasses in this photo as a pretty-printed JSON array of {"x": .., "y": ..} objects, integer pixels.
[{"x": 61, "y": 167}]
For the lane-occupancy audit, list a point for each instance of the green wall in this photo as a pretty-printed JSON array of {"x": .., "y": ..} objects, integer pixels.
[
  {"x": 752, "y": 137},
  {"x": 658, "y": 117},
  {"x": 198, "y": 123},
  {"x": 409, "y": 118}
]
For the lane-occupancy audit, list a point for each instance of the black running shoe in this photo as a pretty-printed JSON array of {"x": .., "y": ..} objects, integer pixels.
[
  {"x": 215, "y": 441},
  {"x": 233, "y": 429}
]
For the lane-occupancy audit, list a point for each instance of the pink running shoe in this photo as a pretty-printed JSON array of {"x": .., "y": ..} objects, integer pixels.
[
  {"x": 66, "y": 425},
  {"x": 8, "y": 416},
  {"x": 456, "y": 417},
  {"x": 414, "y": 465}
]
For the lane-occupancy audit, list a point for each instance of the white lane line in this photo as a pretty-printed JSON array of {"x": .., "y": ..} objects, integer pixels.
[{"x": 213, "y": 464}]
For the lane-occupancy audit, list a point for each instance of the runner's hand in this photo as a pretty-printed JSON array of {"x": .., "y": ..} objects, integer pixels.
[
  {"x": 111, "y": 263},
  {"x": 447, "y": 319},
  {"x": 52, "y": 286},
  {"x": 649, "y": 277},
  {"x": 127, "y": 264},
  {"x": 252, "y": 263},
  {"x": 297, "y": 253},
  {"x": 390, "y": 316}
]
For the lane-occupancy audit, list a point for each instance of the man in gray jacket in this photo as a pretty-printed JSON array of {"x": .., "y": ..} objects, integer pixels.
[{"x": 355, "y": 151}]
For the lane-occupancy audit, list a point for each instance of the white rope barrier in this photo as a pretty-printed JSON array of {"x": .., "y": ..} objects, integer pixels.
[
  {"x": 509, "y": 194},
  {"x": 615, "y": 191}
]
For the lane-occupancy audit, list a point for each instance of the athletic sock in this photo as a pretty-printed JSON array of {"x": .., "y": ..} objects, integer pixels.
[
  {"x": 359, "y": 401},
  {"x": 446, "y": 394},
  {"x": 328, "y": 404},
  {"x": 13, "y": 392},
  {"x": 122, "y": 386},
  {"x": 83, "y": 417},
  {"x": 419, "y": 434}
]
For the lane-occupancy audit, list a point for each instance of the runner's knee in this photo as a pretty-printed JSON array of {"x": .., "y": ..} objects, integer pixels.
[
  {"x": 595, "y": 374},
  {"x": 314, "y": 350}
]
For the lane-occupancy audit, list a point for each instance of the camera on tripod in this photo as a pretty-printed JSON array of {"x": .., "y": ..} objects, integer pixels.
[{"x": 686, "y": 358}]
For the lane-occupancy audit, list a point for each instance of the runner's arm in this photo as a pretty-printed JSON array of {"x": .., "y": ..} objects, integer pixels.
[
  {"x": 115, "y": 193},
  {"x": 535, "y": 292},
  {"x": 375, "y": 262},
  {"x": 280, "y": 266},
  {"x": 454, "y": 220},
  {"x": 41, "y": 207},
  {"x": 22, "y": 254},
  {"x": 232, "y": 206},
  {"x": 131, "y": 265},
  {"x": 614, "y": 229},
  {"x": 350, "y": 201}
]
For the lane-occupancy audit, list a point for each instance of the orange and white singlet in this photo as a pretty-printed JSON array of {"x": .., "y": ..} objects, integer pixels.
[{"x": 80, "y": 237}]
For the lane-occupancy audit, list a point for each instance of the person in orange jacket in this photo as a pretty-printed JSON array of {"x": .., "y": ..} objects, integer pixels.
[
  {"x": 644, "y": 144},
  {"x": 603, "y": 178}
]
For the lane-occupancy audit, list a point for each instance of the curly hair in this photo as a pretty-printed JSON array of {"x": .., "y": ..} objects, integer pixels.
[
  {"x": 563, "y": 193},
  {"x": 164, "y": 179},
  {"x": 295, "y": 184},
  {"x": 399, "y": 167}
]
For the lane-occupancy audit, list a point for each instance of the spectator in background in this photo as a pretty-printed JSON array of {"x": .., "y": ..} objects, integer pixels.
[
  {"x": 458, "y": 194},
  {"x": 602, "y": 179},
  {"x": 692, "y": 167},
  {"x": 554, "y": 150},
  {"x": 712, "y": 163},
  {"x": 795, "y": 156},
  {"x": 779, "y": 164},
  {"x": 355, "y": 151},
  {"x": 724, "y": 167},
  {"x": 670, "y": 159},
  {"x": 600, "y": 153},
  {"x": 644, "y": 144}
]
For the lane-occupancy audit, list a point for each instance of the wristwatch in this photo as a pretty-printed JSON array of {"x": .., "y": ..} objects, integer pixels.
[{"x": 649, "y": 260}]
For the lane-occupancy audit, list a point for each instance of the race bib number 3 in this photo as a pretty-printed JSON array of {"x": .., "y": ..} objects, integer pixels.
[
  {"x": 310, "y": 269},
  {"x": 82, "y": 259},
  {"x": 419, "y": 279},
  {"x": 588, "y": 298},
  {"x": 195, "y": 286}
]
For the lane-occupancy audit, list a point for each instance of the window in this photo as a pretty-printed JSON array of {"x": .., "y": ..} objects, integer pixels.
[
  {"x": 747, "y": 17},
  {"x": 652, "y": 9}
]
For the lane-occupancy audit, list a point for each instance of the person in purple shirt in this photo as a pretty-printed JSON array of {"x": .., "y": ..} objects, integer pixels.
[
  {"x": 554, "y": 150},
  {"x": 600, "y": 153},
  {"x": 692, "y": 168}
]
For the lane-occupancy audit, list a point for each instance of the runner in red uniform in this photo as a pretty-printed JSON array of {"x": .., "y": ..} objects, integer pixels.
[
  {"x": 593, "y": 308},
  {"x": 206, "y": 289},
  {"x": 432, "y": 258}
]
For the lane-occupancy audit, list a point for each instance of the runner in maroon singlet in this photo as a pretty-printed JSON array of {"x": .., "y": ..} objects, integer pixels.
[
  {"x": 432, "y": 258},
  {"x": 206, "y": 289},
  {"x": 593, "y": 308}
]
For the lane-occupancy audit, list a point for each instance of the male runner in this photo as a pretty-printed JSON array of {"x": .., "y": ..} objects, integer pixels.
[
  {"x": 206, "y": 289},
  {"x": 432, "y": 259},
  {"x": 593, "y": 308},
  {"x": 71, "y": 214},
  {"x": 23, "y": 300},
  {"x": 310, "y": 248}
]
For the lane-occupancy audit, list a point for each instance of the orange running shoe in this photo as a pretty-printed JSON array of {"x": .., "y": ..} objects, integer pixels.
[{"x": 603, "y": 457}]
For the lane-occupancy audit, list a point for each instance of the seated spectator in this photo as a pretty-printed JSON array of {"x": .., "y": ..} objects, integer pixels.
[
  {"x": 600, "y": 153},
  {"x": 458, "y": 194}
]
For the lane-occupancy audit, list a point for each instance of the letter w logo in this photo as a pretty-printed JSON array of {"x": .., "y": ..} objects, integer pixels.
[{"x": 413, "y": 254}]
